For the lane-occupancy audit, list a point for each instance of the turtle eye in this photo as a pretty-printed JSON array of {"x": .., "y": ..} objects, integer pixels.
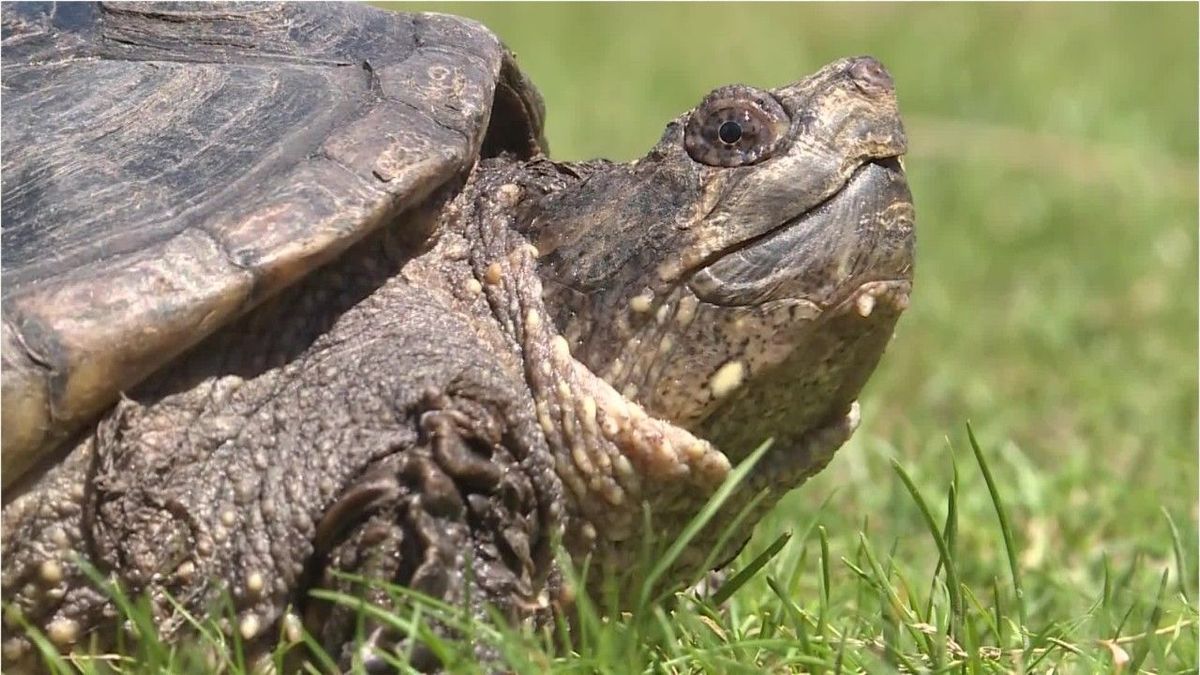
[{"x": 735, "y": 126}]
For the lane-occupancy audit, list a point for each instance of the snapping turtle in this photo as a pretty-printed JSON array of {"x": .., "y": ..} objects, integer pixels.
[{"x": 292, "y": 290}]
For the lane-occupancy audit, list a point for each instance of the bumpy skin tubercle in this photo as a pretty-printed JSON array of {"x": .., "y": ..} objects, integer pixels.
[{"x": 536, "y": 352}]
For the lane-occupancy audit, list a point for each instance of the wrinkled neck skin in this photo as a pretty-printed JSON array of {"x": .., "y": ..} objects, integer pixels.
[{"x": 614, "y": 459}]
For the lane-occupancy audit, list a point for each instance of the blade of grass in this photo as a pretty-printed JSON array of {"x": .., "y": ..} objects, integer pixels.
[
  {"x": 825, "y": 585},
  {"x": 823, "y": 609},
  {"x": 1130, "y": 572},
  {"x": 1010, "y": 545},
  {"x": 793, "y": 613},
  {"x": 798, "y": 570},
  {"x": 952, "y": 585},
  {"x": 901, "y": 612},
  {"x": 732, "y": 529},
  {"x": 747, "y": 573},
  {"x": 998, "y": 608},
  {"x": 317, "y": 651},
  {"x": 1155, "y": 614},
  {"x": 841, "y": 653},
  {"x": 988, "y": 619},
  {"x": 1180, "y": 560}
]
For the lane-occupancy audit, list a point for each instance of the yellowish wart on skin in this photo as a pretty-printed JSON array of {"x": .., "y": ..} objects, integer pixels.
[
  {"x": 14, "y": 648},
  {"x": 254, "y": 583},
  {"x": 50, "y": 571},
  {"x": 865, "y": 304},
  {"x": 623, "y": 467},
  {"x": 293, "y": 628},
  {"x": 59, "y": 537},
  {"x": 665, "y": 344},
  {"x": 588, "y": 530},
  {"x": 508, "y": 194},
  {"x": 686, "y": 311},
  {"x": 613, "y": 493},
  {"x": 617, "y": 368},
  {"x": 562, "y": 349},
  {"x": 63, "y": 632},
  {"x": 543, "y": 415},
  {"x": 185, "y": 570},
  {"x": 249, "y": 626},
  {"x": 582, "y": 462},
  {"x": 641, "y": 303},
  {"x": 493, "y": 273},
  {"x": 668, "y": 270},
  {"x": 727, "y": 378},
  {"x": 662, "y": 314}
]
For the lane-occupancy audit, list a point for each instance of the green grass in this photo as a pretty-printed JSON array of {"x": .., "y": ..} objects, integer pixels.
[{"x": 1053, "y": 163}]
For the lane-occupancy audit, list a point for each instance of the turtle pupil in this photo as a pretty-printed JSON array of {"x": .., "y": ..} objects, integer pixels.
[{"x": 729, "y": 132}]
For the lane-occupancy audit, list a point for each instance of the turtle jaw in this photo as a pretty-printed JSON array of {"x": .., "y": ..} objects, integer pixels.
[
  {"x": 800, "y": 380},
  {"x": 862, "y": 232},
  {"x": 783, "y": 331}
]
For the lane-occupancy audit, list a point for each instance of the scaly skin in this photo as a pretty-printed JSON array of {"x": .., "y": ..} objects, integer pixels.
[{"x": 577, "y": 343}]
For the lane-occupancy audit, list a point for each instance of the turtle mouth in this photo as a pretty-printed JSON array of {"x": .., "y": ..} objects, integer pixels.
[{"x": 854, "y": 247}]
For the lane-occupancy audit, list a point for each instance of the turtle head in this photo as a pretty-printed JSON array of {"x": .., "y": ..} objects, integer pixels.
[{"x": 743, "y": 278}]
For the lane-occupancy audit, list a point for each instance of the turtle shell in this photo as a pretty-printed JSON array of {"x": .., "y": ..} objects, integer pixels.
[{"x": 166, "y": 167}]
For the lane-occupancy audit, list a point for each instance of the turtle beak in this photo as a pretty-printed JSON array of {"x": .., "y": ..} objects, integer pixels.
[{"x": 863, "y": 233}]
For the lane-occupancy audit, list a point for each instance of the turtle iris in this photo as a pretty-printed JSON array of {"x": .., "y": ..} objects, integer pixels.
[{"x": 736, "y": 126}]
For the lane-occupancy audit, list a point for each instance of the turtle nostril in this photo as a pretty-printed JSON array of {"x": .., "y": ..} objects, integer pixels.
[{"x": 870, "y": 76}]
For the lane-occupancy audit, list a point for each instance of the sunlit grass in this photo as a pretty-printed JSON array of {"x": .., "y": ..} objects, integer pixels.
[{"x": 871, "y": 610}]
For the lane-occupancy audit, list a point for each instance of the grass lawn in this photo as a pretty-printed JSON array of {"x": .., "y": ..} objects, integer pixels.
[{"x": 1053, "y": 163}]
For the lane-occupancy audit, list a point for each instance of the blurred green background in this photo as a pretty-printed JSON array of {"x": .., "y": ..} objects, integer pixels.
[{"x": 1053, "y": 154}]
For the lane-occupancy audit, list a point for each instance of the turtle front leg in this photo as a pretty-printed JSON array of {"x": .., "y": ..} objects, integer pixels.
[
  {"x": 206, "y": 488},
  {"x": 454, "y": 518},
  {"x": 43, "y": 584}
]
